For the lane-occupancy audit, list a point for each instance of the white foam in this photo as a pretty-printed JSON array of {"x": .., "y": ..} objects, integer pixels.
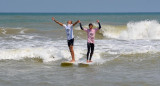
[
  {"x": 46, "y": 50},
  {"x": 21, "y": 36},
  {"x": 4, "y": 31},
  {"x": 148, "y": 29},
  {"x": 56, "y": 50},
  {"x": 142, "y": 30},
  {"x": 22, "y": 31}
]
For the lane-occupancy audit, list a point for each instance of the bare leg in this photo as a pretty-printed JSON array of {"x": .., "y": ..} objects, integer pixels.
[{"x": 72, "y": 53}]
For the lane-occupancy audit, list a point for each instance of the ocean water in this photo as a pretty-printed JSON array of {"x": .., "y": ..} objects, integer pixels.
[{"x": 127, "y": 50}]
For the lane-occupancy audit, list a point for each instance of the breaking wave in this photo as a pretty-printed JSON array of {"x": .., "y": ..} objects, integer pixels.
[{"x": 149, "y": 29}]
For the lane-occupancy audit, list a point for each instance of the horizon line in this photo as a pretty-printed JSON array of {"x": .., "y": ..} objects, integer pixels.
[{"x": 79, "y": 12}]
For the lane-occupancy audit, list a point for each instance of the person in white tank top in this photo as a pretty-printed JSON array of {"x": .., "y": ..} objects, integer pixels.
[{"x": 69, "y": 33}]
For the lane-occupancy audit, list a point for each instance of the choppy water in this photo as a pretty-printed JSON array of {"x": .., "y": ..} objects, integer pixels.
[{"x": 127, "y": 50}]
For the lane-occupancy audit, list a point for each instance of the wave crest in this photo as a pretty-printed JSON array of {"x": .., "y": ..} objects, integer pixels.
[{"x": 148, "y": 29}]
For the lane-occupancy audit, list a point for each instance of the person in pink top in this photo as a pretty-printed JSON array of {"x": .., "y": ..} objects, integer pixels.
[{"x": 90, "y": 41}]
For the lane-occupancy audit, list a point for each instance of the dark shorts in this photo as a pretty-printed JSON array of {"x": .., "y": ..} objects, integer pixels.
[{"x": 70, "y": 42}]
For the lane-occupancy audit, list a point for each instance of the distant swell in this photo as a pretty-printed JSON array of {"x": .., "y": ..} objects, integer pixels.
[{"x": 8, "y": 30}]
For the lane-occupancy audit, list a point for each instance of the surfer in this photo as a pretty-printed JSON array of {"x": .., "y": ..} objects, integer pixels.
[
  {"x": 70, "y": 36},
  {"x": 91, "y": 36}
]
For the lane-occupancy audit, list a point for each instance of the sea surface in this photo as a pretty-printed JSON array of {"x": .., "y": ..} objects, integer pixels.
[{"x": 127, "y": 50}]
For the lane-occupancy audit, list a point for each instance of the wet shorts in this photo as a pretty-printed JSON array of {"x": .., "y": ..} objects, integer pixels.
[{"x": 70, "y": 42}]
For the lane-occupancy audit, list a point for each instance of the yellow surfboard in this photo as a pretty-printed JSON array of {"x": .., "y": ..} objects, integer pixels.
[{"x": 65, "y": 64}]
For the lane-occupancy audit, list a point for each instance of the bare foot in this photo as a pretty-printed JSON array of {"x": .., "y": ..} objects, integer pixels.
[
  {"x": 87, "y": 61},
  {"x": 90, "y": 61},
  {"x": 72, "y": 61}
]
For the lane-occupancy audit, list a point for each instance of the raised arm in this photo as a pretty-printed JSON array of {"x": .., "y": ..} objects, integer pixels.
[
  {"x": 99, "y": 24},
  {"x": 61, "y": 24},
  {"x": 81, "y": 26},
  {"x": 76, "y": 22}
]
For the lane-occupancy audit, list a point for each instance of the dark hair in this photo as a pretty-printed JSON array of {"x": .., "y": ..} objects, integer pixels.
[{"x": 90, "y": 24}]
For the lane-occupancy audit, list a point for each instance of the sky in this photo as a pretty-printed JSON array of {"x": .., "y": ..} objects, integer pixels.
[{"x": 78, "y": 6}]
